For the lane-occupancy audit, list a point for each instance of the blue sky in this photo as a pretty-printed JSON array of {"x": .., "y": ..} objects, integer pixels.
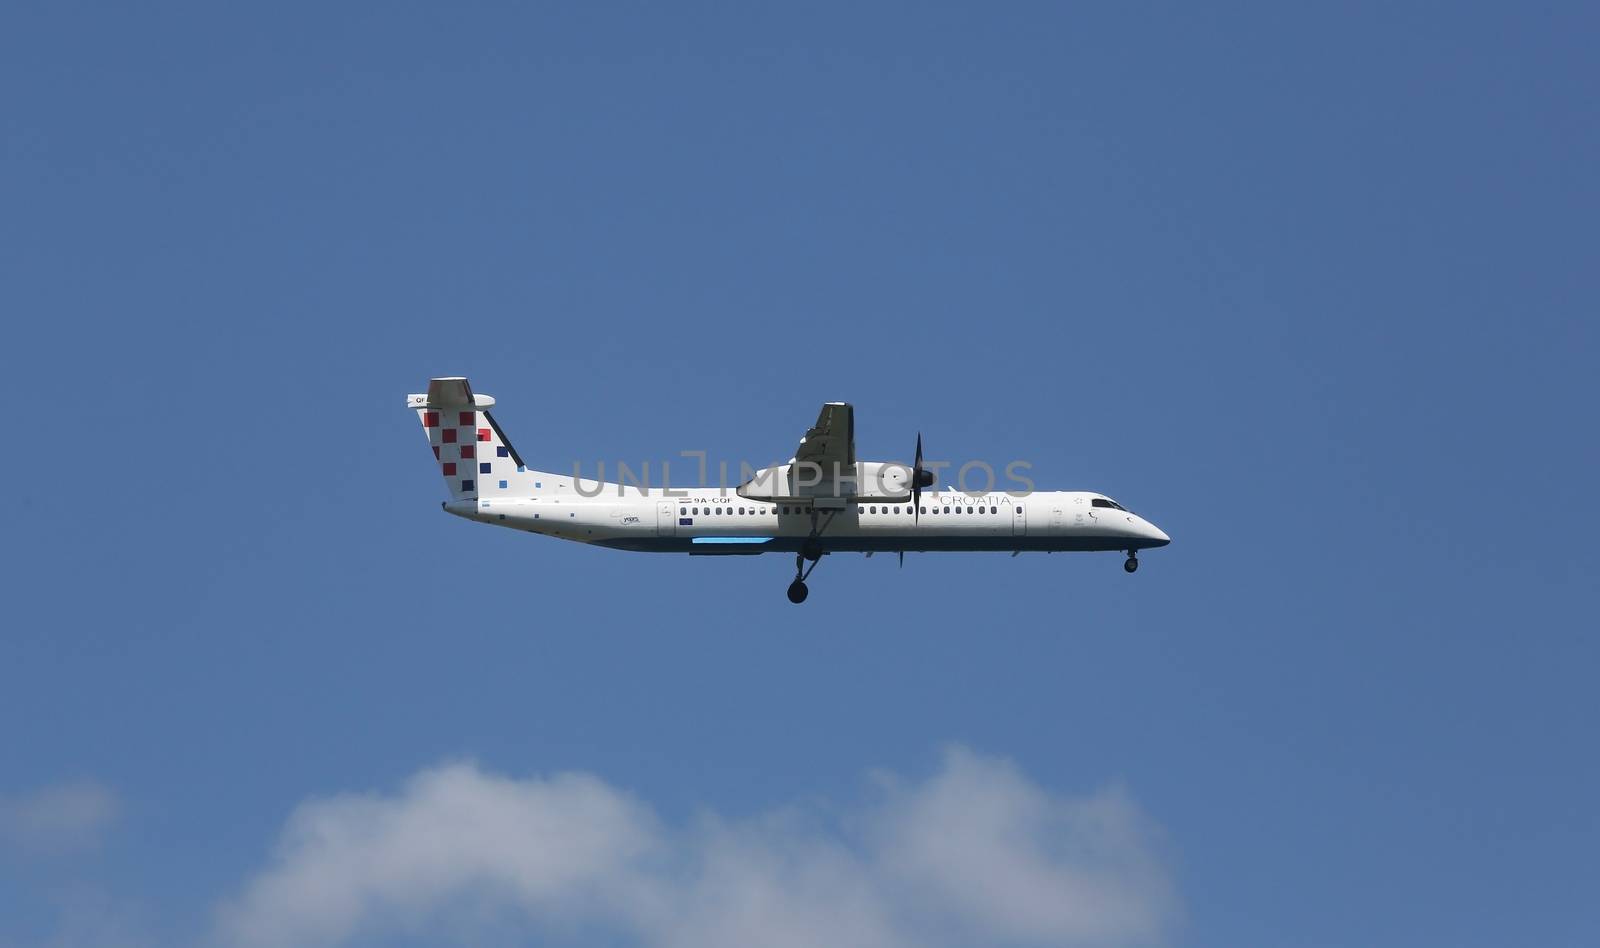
[{"x": 1313, "y": 289}]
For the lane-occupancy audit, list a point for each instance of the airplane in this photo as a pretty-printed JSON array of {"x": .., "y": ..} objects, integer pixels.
[{"x": 823, "y": 501}]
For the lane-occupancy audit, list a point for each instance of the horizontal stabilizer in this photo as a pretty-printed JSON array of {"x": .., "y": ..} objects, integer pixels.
[{"x": 450, "y": 393}]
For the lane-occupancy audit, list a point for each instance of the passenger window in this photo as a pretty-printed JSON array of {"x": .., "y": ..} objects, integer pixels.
[
  {"x": 1019, "y": 510},
  {"x": 741, "y": 511},
  {"x": 969, "y": 510},
  {"x": 947, "y": 510},
  {"x": 922, "y": 510},
  {"x": 683, "y": 511}
]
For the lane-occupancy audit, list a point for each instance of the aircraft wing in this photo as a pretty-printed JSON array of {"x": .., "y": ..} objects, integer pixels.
[{"x": 831, "y": 442}]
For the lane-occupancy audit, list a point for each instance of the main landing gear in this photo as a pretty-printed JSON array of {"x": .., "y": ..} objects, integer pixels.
[
  {"x": 809, "y": 550},
  {"x": 1133, "y": 562},
  {"x": 797, "y": 589}
]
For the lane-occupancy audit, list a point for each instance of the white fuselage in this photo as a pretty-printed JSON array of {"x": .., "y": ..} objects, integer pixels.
[{"x": 716, "y": 521}]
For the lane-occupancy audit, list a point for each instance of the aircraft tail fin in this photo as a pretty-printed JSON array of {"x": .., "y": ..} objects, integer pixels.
[{"x": 473, "y": 454}]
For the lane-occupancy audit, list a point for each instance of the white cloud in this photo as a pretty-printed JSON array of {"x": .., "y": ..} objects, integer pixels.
[
  {"x": 65, "y": 816},
  {"x": 975, "y": 853}
]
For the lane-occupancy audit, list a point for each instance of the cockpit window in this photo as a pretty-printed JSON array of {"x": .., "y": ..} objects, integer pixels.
[{"x": 1106, "y": 502}]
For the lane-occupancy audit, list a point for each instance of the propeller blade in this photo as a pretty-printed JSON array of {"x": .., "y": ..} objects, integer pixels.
[{"x": 916, "y": 489}]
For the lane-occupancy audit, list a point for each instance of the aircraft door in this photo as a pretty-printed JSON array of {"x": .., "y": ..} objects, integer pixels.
[
  {"x": 666, "y": 519},
  {"x": 1019, "y": 518}
]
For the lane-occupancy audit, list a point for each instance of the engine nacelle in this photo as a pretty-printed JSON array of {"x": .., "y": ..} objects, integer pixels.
[{"x": 805, "y": 481}]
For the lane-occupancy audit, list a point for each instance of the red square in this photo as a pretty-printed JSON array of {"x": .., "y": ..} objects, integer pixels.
[
  {"x": 483, "y": 434},
  {"x": 430, "y": 419},
  {"x": 449, "y": 436},
  {"x": 467, "y": 419},
  {"x": 466, "y": 451},
  {"x": 449, "y": 469},
  {"x": 436, "y": 452}
]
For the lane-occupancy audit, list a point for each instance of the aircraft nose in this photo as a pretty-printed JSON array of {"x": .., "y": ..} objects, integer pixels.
[{"x": 1151, "y": 534}]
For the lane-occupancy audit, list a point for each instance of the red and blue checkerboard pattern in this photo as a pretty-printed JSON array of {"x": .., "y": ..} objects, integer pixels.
[
  {"x": 471, "y": 455},
  {"x": 456, "y": 438}
]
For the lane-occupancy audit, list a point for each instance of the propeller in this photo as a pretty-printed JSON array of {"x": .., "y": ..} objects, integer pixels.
[{"x": 919, "y": 479}]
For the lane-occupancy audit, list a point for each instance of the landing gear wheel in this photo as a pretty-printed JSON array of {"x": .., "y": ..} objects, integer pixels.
[
  {"x": 798, "y": 592},
  {"x": 1131, "y": 565}
]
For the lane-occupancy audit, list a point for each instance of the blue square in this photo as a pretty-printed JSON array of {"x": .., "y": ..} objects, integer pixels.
[
  {"x": 685, "y": 521},
  {"x": 537, "y": 484},
  {"x": 521, "y": 469},
  {"x": 502, "y": 485},
  {"x": 483, "y": 467},
  {"x": 501, "y": 451},
  {"x": 466, "y": 485}
]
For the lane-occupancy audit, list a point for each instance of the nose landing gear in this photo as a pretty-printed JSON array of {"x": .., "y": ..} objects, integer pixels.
[{"x": 1132, "y": 563}]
